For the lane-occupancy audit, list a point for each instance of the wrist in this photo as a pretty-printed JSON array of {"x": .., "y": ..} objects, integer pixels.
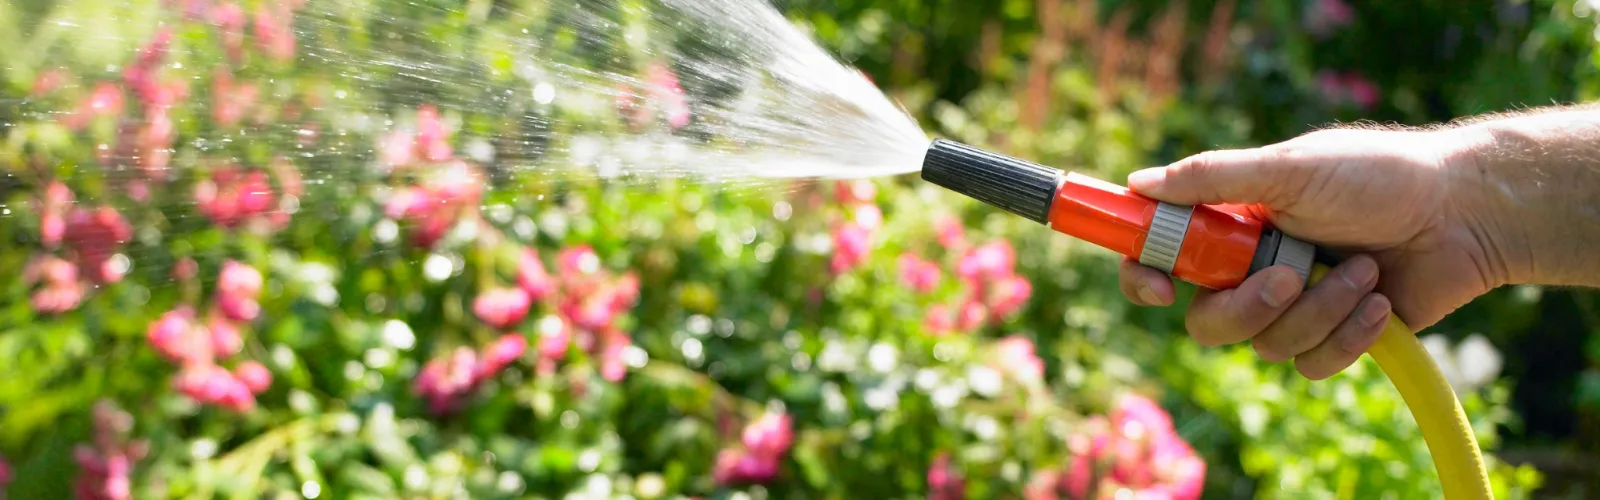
[
  {"x": 1486, "y": 215},
  {"x": 1522, "y": 186}
]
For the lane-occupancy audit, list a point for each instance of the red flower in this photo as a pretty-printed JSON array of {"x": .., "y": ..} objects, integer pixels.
[{"x": 96, "y": 235}]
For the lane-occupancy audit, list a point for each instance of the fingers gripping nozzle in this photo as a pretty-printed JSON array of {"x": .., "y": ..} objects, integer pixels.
[{"x": 1199, "y": 244}]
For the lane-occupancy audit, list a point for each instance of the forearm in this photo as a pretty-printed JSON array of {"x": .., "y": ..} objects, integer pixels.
[{"x": 1532, "y": 182}]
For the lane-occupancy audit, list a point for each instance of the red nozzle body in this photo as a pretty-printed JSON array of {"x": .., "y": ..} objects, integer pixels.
[
  {"x": 1216, "y": 248},
  {"x": 1203, "y": 245}
]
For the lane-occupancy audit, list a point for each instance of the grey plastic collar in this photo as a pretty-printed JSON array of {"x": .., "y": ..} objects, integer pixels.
[
  {"x": 1296, "y": 254},
  {"x": 1161, "y": 244}
]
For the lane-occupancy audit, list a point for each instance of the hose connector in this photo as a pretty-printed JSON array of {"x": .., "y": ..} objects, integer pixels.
[{"x": 1020, "y": 187}]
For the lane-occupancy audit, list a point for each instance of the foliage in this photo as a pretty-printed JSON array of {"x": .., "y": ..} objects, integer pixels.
[{"x": 203, "y": 190}]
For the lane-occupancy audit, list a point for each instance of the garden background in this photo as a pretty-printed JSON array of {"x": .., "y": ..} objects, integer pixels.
[{"x": 284, "y": 249}]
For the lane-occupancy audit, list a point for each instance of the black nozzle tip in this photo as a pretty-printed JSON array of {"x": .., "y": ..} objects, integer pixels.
[{"x": 1013, "y": 185}]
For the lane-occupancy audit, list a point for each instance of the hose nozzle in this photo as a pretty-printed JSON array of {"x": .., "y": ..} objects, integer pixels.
[{"x": 1016, "y": 186}]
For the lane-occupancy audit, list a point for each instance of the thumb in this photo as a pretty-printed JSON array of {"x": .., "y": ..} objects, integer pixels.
[{"x": 1237, "y": 176}]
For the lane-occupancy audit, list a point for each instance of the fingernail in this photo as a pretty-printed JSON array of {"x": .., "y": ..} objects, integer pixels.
[
  {"x": 1281, "y": 287},
  {"x": 1374, "y": 311},
  {"x": 1360, "y": 273},
  {"x": 1148, "y": 296},
  {"x": 1147, "y": 179}
]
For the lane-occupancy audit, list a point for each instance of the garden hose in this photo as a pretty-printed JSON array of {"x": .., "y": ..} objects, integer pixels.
[{"x": 1216, "y": 249}]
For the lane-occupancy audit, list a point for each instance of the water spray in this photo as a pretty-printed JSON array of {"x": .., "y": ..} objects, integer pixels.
[{"x": 1217, "y": 249}]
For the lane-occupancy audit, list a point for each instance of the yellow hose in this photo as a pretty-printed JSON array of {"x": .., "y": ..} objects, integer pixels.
[{"x": 1433, "y": 404}]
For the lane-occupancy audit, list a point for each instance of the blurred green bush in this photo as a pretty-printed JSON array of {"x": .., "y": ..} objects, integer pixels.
[{"x": 319, "y": 190}]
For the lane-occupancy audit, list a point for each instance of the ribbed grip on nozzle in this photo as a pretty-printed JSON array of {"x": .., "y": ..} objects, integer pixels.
[{"x": 1014, "y": 185}]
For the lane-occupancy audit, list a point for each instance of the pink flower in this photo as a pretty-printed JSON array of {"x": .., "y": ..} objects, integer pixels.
[
  {"x": 668, "y": 94},
  {"x": 230, "y": 20},
  {"x": 850, "y": 245},
  {"x": 253, "y": 375},
  {"x": 49, "y": 80},
  {"x": 944, "y": 481},
  {"x": 274, "y": 31},
  {"x": 433, "y": 139},
  {"x": 532, "y": 276},
  {"x": 230, "y": 101},
  {"x": 1141, "y": 411},
  {"x": 869, "y": 217},
  {"x": 172, "y": 334},
  {"x": 224, "y": 337},
  {"x": 918, "y": 273},
  {"x": 211, "y": 384},
  {"x": 238, "y": 307},
  {"x": 395, "y": 150},
  {"x": 502, "y": 353},
  {"x": 578, "y": 260},
  {"x": 939, "y": 319},
  {"x": 239, "y": 279},
  {"x": 1009, "y": 294},
  {"x": 855, "y": 192},
  {"x": 1080, "y": 476},
  {"x": 1348, "y": 88},
  {"x": 612, "y": 344},
  {"x": 60, "y": 290},
  {"x": 735, "y": 466},
  {"x": 1016, "y": 358},
  {"x": 1045, "y": 485},
  {"x": 1327, "y": 16},
  {"x": 995, "y": 259},
  {"x": 972, "y": 315},
  {"x": 230, "y": 198},
  {"x": 770, "y": 435},
  {"x": 96, "y": 235},
  {"x": 502, "y": 308},
  {"x": 951, "y": 234}
]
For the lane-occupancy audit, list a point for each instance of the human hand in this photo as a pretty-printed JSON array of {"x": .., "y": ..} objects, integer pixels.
[{"x": 1385, "y": 200}]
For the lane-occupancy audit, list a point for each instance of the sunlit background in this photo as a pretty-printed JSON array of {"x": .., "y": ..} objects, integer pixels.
[{"x": 527, "y": 249}]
